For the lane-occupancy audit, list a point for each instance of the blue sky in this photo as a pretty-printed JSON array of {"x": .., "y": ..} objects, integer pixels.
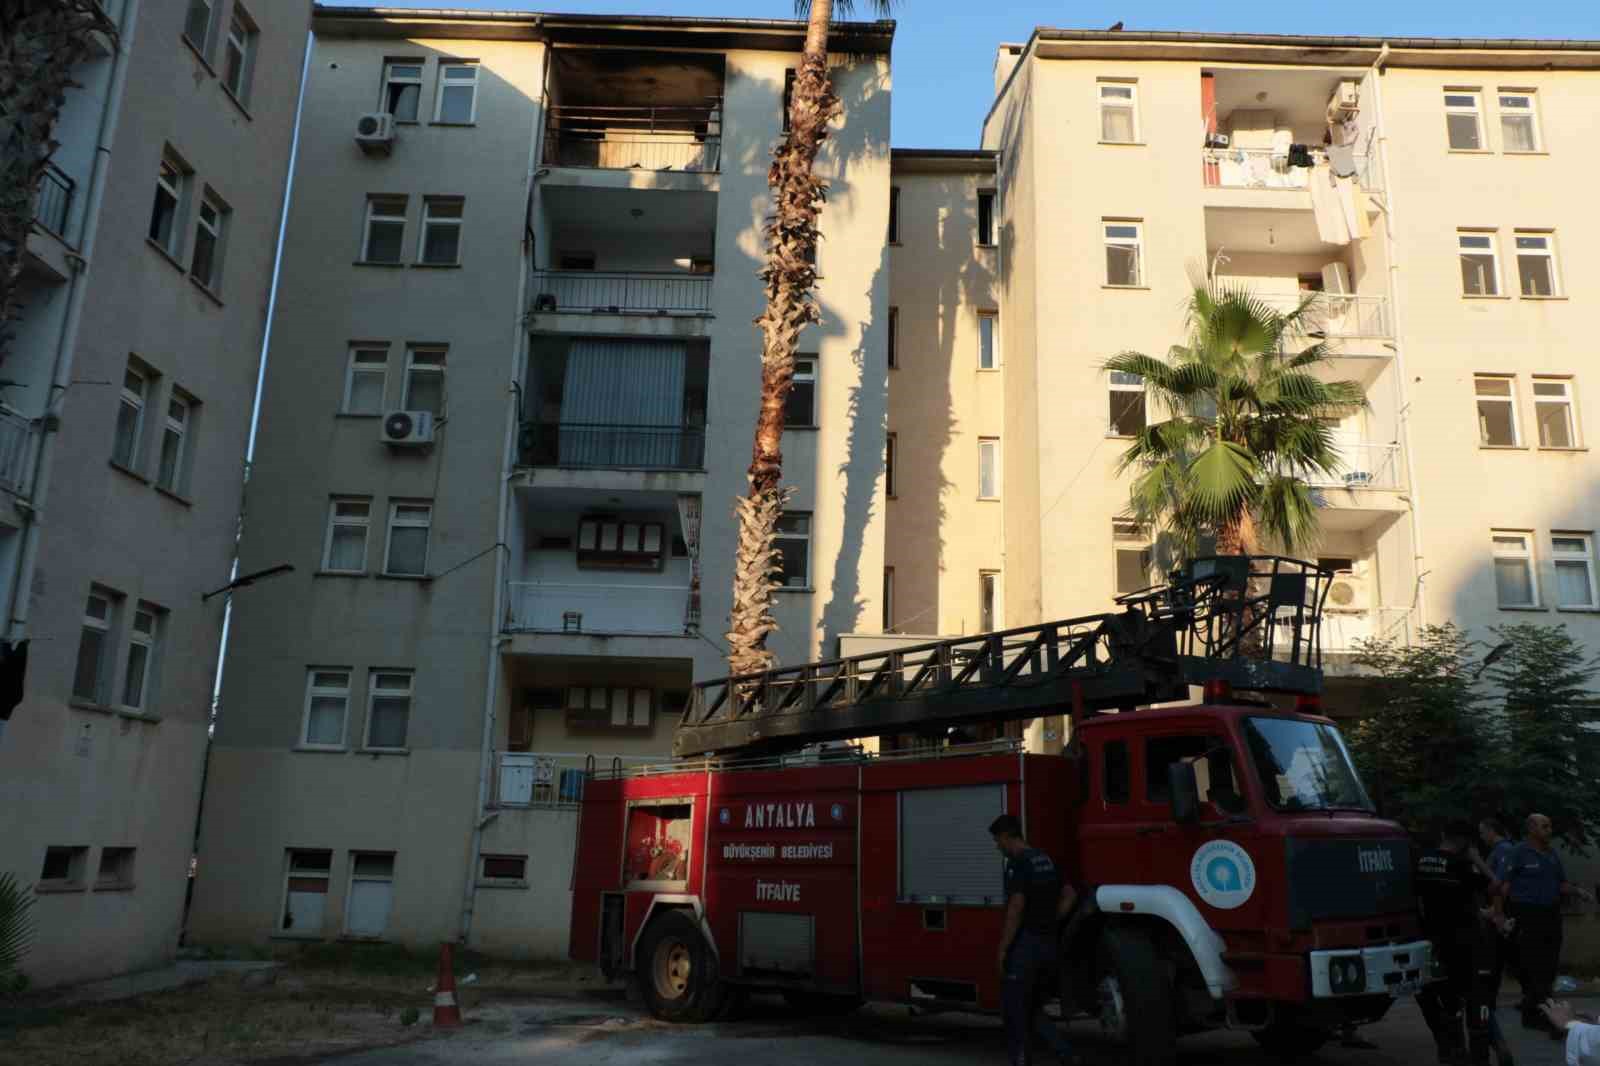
[{"x": 944, "y": 49}]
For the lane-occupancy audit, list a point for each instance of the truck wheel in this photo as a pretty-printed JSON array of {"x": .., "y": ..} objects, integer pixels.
[
  {"x": 820, "y": 1004},
  {"x": 1289, "y": 1041},
  {"x": 677, "y": 971},
  {"x": 1135, "y": 998}
]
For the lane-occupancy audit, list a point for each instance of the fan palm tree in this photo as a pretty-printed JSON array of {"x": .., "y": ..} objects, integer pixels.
[
  {"x": 16, "y": 929},
  {"x": 1249, "y": 423},
  {"x": 789, "y": 275}
]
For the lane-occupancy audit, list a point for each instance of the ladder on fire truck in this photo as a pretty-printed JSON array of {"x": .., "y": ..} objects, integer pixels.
[{"x": 1253, "y": 622}]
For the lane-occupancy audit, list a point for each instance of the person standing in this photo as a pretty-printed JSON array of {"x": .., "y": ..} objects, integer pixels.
[
  {"x": 1497, "y": 858},
  {"x": 1446, "y": 885},
  {"x": 1535, "y": 884},
  {"x": 1036, "y": 899}
]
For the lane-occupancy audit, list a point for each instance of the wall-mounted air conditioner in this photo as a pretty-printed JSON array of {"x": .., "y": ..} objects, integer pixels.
[
  {"x": 375, "y": 133},
  {"x": 407, "y": 429}
]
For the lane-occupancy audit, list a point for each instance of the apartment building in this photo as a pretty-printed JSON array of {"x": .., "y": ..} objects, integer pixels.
[
  {"x": 123, "y": 424},
  {"x": 508, "y": 405}
]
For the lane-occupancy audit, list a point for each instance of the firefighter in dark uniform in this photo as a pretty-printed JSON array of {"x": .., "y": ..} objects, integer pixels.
[
  {"x": 1036, "y": 899},
  {"x": 1448, "y": 889}
]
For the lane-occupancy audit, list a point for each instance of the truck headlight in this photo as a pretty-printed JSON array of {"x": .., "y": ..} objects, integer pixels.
[{"x": 1346, "y": 974}]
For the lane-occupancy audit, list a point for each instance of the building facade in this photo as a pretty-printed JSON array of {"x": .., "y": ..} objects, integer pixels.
[{"x": 123, "y": 427}]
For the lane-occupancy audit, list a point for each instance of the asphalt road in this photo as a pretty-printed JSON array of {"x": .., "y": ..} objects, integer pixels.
[{"x": 604, "y": 1029}]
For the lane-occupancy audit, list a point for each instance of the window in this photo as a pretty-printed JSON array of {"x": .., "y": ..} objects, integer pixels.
[
  {"x": 1513, "y": 569},
  {"x": 386, "y": 229},
  {"x": 606, "y": 543},
  {"x": 888, "y": 599},
  {"x": 1127, "y": 404},
  {"x": 206, "y": 267},
  {"x": 197, "y": 24},
  {"x": 888, "y": 465},
  {"x": 425, "y": 380},
  {"x": 985, "y": 216},
  {"x": 1519, "y": 122},
  {"x": 788, "y": 96},
  {"x": 94, "y": 646},
  {"x": 894, "y": 337},
  {"x": 616, "y": 707},
  {"x": 327, "y": 707},
  {"x": 988, "y": 601},
  {"x": 794, "y": 545},
  {"x": 1118, "y": 784},
  {"x": 63, "y": 867},
  {"x": 345, "y": 550},
  {"x": 408, "y": 538},
  {"x": 1123, "y": 256},
  {"x": 143, "y": 638},
  {"x": 388, "y": 708},
  {"x": 800, "y": 409},
  {"x": 1133, "y": 556},
  {"x": 130, "y": 419},
  {"x": 1574, "y": 558},
  {"x": 305, "y": 892},
  {"x": 402, "y": 89},
  {"x": 170, "y": 180},
  {"x": 988, "y": 342},
  {"x": 894, "y": 214},
  {"x": 174, "y": 435},
  {"x": 504, "y": 868},
  {"x": 239, "y": 60},
  {"x": 1214, "y": 773},
  {"x": 1536, "y": 264},
  {"x": 1480, "y": 264},
  {"x": 1497, "y": 412},
  {"x": 988, "y": 468},
  {"x": 116, "y": 868},
  {"x": 366, "y": 380},
  {"x": 1463, "y": 120},
  {"x": 371, "y": 895},
  {"x": 1119, "y": 112},
  {"x": 1552, "y": 409},
  {"x": 458, "y": 93},
  {"x": 441, "y": 232}
]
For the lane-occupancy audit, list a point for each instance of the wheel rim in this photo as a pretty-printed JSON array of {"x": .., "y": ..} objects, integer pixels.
[
  {"x": 673, "y": 967},
  {"x": 1113, "y": 1016}
]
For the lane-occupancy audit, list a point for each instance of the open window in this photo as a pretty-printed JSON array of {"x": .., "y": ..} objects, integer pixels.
[
  {"x": 657, "y": 849},
  {"x": 1213, "y": 769}
]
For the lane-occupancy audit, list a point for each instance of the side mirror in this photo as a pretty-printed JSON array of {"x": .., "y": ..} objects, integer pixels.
[{"x": 1185, "y": 792}]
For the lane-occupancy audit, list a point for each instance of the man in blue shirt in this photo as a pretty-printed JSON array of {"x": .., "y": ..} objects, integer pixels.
[
  {"x": 1036, "y": 899},
  {"x": 1535, "y": 883},
  {"x": 1492, "y": 832}
]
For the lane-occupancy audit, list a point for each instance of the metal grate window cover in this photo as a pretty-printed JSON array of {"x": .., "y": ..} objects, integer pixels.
[
  {"x": 946, "y": 852},
  {"x": 776, "y": 943}
]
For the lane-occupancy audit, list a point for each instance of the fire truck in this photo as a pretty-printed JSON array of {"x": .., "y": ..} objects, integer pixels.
[{"x": 1233, "y": 870}]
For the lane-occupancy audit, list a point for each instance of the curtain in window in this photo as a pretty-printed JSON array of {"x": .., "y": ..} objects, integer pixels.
[
  {"x": 689, "y": 519},
  {"x": 622, "y": 403}
]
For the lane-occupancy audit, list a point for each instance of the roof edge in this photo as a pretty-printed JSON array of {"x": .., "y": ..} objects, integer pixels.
[{"x": 1507, "y": 44}]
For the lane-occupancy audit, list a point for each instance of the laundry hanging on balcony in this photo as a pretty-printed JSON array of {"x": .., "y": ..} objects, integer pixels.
[{"x": 622, "y": 403}]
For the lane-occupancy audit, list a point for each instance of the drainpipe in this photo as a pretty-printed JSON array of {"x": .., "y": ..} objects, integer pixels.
[
  {"x": 1420, "y": 596},
  {"x": 18, "y": 600}
]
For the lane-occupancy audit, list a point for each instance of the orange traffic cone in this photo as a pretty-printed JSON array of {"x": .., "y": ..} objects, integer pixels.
[{"x": 446, "y": 1014}]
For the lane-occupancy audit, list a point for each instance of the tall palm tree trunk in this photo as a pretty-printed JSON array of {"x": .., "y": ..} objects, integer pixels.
[{"x": 790, "y": 276}]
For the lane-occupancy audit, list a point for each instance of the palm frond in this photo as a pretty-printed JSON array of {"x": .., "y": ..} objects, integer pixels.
[
  {"x": 1220, "y": 481},
  {"x": 16, "y": 923},
  {"x": 847, "y": 8},
  {"x": 1288, "y": 511}
]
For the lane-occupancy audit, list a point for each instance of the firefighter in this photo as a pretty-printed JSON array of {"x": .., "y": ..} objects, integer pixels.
[
  {"x": 1036, "y": 899},
  {"x": 1447, "y": 886}
]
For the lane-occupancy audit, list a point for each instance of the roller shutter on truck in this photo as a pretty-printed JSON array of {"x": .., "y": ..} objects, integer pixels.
[{"x": 946, "y": 852}]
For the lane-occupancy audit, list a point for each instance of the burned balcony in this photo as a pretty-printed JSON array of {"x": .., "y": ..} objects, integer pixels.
[{"x": 634, "y": 111}]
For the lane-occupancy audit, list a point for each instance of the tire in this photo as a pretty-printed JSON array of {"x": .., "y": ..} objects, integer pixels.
[
  {"x": 820, "y": 1004},
  {"x": 1135, "y": 997},
  {"x": 1289, "y": 1041},
  {"x": 676, "y": 970}
]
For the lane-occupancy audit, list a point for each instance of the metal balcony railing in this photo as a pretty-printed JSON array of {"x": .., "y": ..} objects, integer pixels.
[
  {"x": 583, "y": 445},
  {"x": 16, "y": 451},
  {"x": 1344, "y": 631},
  {"x": 633, "y": 291},
  {"x": 1366, "y": 466},
  {"x": 610, "y": 610},
  {"x": 52, "y": 203},
  {"x": 1334, "y": 316},
  {"x": 1262, "y": 168},
  {"x": 634, "y": 138}
]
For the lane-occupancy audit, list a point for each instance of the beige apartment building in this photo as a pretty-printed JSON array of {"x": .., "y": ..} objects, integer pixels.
[
  {"x": 123, "y": 425},
  {"x": 508, "y": 405}
]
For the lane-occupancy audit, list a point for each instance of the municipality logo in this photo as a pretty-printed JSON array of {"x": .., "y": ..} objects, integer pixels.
[
  {"x": 1223, "y": 874},
  {"x": 724, "y": 817},
  {"x": 837, "y": 812}
]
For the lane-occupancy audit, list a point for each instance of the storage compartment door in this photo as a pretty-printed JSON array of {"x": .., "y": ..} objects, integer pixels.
[{"x": 946, "y": 852}]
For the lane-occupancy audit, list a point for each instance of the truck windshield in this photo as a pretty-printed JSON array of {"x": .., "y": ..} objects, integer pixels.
[{"x": 1304, "y": 766}]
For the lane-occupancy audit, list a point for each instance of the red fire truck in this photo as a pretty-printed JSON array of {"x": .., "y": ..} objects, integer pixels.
[{"x": 1235, "y": 873}]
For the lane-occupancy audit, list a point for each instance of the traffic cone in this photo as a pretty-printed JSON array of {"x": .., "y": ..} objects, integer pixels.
[{"x": 446, "y": 1014}]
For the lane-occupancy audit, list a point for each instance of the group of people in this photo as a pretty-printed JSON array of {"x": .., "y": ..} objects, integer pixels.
[{"x": 1485, "y": 912}]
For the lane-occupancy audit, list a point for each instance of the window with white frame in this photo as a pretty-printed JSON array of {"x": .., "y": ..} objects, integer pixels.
[
  {"x": 305, "y": 892},
  {"x": 130, "y": 418},
  {"x": 366, "y": 379},
  {"x": 402, "y": 88},
  {"x": 1124, "y": 253},
  {"x": 458, "y": 93},
  {"x": 1497, "y": 411},
  {"x": 344, "y": 551},
  {"x": 793, "y": 542},
  {"x": 1119, "y": 112},
  {"x": 210, "y": 232},
  {"x": 1480, "y": 263},
  {"x": 1134, "y": 557},
  {"x": 800, "y": 409},
  {"x": 174, "y": 443},
  {"x": 1127, "y": 404},
  {"x": 1573, "y": 554},
  {"x": 441, "y": 231},
  {"x": 327, "y": 707},
  {"x": 170, "y": 181},
  {"x": 1552, "y": 410},
  {"x": 388, "y": 708},
  {"x": 407, "y": 552},
  {"x": 1519, "y": 121},
  {"x": 1463, "y": 119},
  {"x": 239, "y": 59},
  {"x": 143, "y": 636},
  {"x": 1514, "y": 581},
  {"x": 988, "y": 468},
  {"x": 197, "y": 24},
  {"x": 1536, "y": 264},
  {"x": 383, "y": 238},
  {"x": 988, "y": 340},
  {"x": 425, "y": 379},
  {"x": 988, "y": 600},
  {"x": 371, "y": 898},
  {"x": 95, "y": 645}
]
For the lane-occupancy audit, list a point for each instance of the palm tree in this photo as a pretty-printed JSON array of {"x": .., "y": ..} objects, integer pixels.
[
  {"x": 16, "y": 931},
  {"x": 1249, "y": 422},
  {"x": 41, "y": 43},
  {"x": 790, "y": 275}
]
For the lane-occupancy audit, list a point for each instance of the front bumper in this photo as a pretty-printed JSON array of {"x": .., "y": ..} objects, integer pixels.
[{"x": 1394, "y": 969}]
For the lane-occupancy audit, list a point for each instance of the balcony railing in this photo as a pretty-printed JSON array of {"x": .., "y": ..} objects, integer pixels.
[
  {"x": 1262, "y": 168},
  {"x": 612, "y": 610},
  {"x": 555, "y": 779},
  {"x": 634, "y": 138},
  {"x": 616, "y": 293},
  {"x": 594, "y": 446},
  {"x": 1366, "y": 466},
  {"x": 1335, "y": 316},
  {"x": 1343, "y": 631},
  {"x": 16, "y": 451},
  {"x": 52, "y": 204}
]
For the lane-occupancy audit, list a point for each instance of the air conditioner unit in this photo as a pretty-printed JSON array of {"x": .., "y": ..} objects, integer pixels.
[
  {"x": 1348, "y": 592},
  {"x": 408, "y": 429},
  {"x": 375, "y": 133},
  {"x": 1347, "y": 97}
]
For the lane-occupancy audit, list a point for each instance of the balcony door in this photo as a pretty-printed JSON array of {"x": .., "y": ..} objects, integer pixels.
[{"x": 622, "y": 403}]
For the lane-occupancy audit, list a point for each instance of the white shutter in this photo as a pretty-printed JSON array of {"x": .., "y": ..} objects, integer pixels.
[
  {"x": 946, "y": 852},
  {"x": 369, "y": 907}
]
